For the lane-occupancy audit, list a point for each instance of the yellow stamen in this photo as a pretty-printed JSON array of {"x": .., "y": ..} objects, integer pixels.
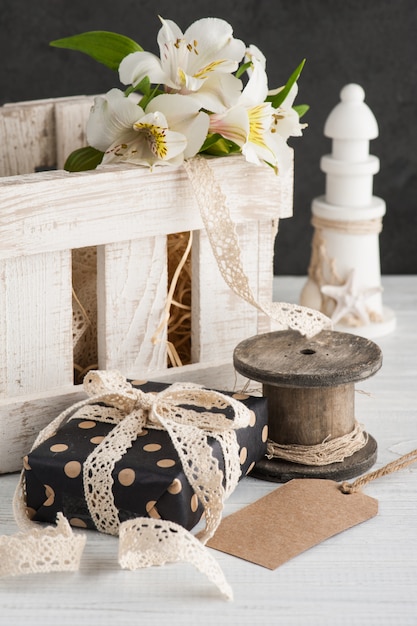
[
  {"x": 256, "y": 126},
  {"x": 155, "y": 137},
  {"x": 205, "y": 71},
  {"x": 182, "y": 77}
]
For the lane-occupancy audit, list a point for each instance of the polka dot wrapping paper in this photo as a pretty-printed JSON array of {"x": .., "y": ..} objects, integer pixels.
[{"x": 147, "y": 481}]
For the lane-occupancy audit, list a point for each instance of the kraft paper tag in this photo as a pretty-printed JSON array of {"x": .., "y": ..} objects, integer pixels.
[{"x": 290, "y": 520}]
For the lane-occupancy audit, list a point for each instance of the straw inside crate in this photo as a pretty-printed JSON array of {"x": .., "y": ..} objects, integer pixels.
[{"x": 84, "y": 306}]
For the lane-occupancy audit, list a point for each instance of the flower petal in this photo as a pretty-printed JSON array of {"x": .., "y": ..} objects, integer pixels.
[
  {"x": 287, "y": 123},
  {"x": 219, "y": 92},
  {"x": 183, "y": 116},
  {"x": 256, "y": 88},
  {"x": 134, "y": 67},
  {"x": 195, "y": 130},
  {"x": 254, "y": 54},
  {"x": 173, "y": 51},
  {"x": 152, "y": 144},
  {"x": 283, "y": 153},
  {"x": 258, "y": 146},
  {"x": 233, "y": 125},
  {"x": 207, "y": 47},
  {"x": 111, "y": 119},
  {"x": 213, "y": 40}
]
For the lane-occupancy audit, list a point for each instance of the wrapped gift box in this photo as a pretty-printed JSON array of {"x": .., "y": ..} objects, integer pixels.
[{"x": 148, "y": 479}]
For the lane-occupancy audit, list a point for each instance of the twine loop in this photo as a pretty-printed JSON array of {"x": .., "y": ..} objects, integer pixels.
[
  {"x": 390, "y": 468},
  {"x": 350, "y": 227},
  {"x": 324, "y": 453}
]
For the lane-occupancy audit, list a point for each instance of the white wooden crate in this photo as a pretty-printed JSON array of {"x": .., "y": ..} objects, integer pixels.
[{"x": 127, "y": 212}]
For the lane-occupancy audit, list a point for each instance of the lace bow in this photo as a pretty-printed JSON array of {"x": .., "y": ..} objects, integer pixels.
[{"x": 189, "y": 414}]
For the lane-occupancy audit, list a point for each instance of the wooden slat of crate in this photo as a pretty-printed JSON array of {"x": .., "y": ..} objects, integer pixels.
[
  {"x": 36, "y": 323},
  {"x": 57, "y": 210},
  {"x": 131, "y": 291},
  {"x": 35, "y": 134},
  {"x": 27, "y": 138},
  {"x": 70, "y": 121},
  {"x": 220, "y": 319}
]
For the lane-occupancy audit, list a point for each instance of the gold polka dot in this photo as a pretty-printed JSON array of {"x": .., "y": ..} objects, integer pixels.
[
  {"x": 151, "y": 509},
  {"x": 152, "y": 447},
  {"x": 87, "y": 424},
  {"x": 97, "y": 440},
  {"x": 50, "y": 496},
  {"x": 240, "y": 396},
  {"x": 252, "y": 419},
  {"x": 126, "y": 477},
  {"x": 165, "y": 463},
  {"x": 139, "y": 382},
  {"x": 30, "y": 512},
  {"x": 143, "y": 433},
  {"x": 72, "y": 469},
  {"x": 59, "y": 447},
  {"x": 26, "y": 463},
  {"x": 250, "y": 468},
  {"x": 265, "y": 433},
  {"x": 243, "y": 455},
  {"x": 77, "y": 522},
  {"x": 194, "y": 503},
  {"x": 175, "y": 487}
]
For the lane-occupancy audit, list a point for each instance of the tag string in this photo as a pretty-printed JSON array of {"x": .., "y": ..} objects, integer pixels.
[{"x": 390, "y": 468}]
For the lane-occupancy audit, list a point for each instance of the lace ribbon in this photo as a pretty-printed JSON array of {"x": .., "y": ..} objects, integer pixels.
[
  {"x": 131, "y": 410},
  {"x": 42, "y": 550},
  {"x": 145, "y": 542},
  {"x": 221, "y": 232}
]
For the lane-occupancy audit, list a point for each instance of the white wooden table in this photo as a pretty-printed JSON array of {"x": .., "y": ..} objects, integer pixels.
[{"x": 365, "y": 576}]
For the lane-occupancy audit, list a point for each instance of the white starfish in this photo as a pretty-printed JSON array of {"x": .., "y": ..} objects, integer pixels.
[{"x": 350, "y": 298}]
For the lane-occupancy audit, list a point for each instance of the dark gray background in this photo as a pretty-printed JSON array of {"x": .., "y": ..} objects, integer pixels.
[{"x": 370, "y": 42}]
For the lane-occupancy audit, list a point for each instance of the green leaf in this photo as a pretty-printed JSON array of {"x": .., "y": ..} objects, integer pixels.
[
  {"x": 143, "y": 87},
  {"x": 149, "y": 96},
  {"x": 279, "y": 98},
  {"x": 243, "y": 68},
  {"x": 83, "y": 159},
  {"x": 103, "y": 46},
  {"x": 217, "y": 145},
  {"x": 210, "y": 140},
  {"x": 301, "y": 109}
]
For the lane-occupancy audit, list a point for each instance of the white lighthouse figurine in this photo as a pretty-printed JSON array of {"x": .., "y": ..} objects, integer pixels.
[{"x": 344, "y": 276}]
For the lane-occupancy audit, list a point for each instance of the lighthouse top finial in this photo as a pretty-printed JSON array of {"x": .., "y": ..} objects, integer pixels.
[
  {"x": 351, "y": 118},
  {"x": 352, "y": 93}
]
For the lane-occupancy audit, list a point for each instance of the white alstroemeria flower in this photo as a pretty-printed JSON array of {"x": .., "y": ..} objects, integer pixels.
[
  {"x": 255, "y": 125},
  {"x": 198, "y": 63},
  {"x": 286, "y": 120},
  {"x": 169, "y": 130},
  {"x": 235, "y": 123}
]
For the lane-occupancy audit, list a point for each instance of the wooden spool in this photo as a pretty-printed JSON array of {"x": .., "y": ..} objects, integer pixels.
[{"x": 309, "y": 384}]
